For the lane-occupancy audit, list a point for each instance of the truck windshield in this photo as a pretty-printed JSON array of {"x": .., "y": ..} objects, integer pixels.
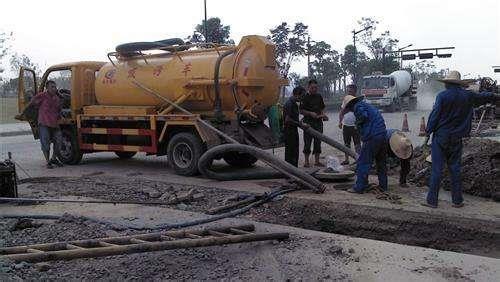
[{"x": 376, "y": 83}]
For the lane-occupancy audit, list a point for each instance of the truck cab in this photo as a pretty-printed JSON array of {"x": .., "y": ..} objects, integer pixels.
[{"x": 390, "y": 92}]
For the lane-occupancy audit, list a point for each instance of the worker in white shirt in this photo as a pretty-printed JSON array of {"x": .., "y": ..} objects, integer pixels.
[{"x": 347, "y": 122}]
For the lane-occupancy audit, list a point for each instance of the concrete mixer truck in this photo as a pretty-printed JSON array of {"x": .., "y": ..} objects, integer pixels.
[
  {"x": 390, "y": 92},
  {"x": 127, "y": 105}
]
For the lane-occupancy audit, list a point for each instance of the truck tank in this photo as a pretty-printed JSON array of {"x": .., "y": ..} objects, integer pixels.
[
  {"x": 403, "y": 81},
  {"x": 251, "y": 69}
]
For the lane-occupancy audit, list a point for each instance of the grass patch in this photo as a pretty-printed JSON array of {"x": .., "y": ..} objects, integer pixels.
[{"x": 8, "y": 109}]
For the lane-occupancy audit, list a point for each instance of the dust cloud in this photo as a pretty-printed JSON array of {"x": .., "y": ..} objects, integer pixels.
[{"x": 426, "y": 94}]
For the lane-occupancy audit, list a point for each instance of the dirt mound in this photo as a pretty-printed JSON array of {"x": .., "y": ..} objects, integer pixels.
[{"x": 480, "y": 171}]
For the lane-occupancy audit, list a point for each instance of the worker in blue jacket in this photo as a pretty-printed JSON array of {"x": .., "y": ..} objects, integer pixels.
[
  {"x": 371, "y": 127},
  {"x": 450, "y": 121}
]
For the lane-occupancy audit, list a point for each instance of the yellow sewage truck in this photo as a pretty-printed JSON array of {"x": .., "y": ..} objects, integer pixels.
[{"x": 122, "y": 105}]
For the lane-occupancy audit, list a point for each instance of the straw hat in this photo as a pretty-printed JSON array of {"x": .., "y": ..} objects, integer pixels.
[
  {"x": 401, "y": 145},
  {"x": 454, "y": 77},
  {"x": 348, "y": 99}
]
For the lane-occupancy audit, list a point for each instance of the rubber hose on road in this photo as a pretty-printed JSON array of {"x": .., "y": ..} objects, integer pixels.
[{"x": 205, "y": 163}]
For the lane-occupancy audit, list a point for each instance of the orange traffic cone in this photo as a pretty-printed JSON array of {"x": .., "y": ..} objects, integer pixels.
[
  {"x": 405, "y": 127},
  {"x": 423, "y": 129}
]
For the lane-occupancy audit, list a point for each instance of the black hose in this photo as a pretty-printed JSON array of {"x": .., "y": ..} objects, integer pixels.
[
  {"x": 265, "y": 198},
  {"x": 132, "y": 47},
  {"x": 218, "y": 101},
  {"x": 205, "y": 162},
  {"x": 233, "y": 213}
]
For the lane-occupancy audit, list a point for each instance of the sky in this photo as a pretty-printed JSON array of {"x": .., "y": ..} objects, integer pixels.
[{"x": 52, "y": 32}]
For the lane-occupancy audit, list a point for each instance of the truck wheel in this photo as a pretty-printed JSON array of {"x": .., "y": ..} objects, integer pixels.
[
  {"x": 184, "y": 150},
  {"x": 70, "y": 151},
  {"x": 239, "y": 159},
  {"x": 125, "y": 155}
]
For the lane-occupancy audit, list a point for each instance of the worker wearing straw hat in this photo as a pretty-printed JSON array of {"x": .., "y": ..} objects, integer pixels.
[
  {"x": 401, "y": 149},
  {"x": 450, "y": 121},
  {"x": 371, "y": 127}
]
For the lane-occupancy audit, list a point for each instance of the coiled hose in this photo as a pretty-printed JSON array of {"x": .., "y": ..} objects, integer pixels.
[{"x": 205, "y": 162}]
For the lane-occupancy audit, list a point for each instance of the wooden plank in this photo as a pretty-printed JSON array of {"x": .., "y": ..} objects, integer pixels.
[
  {"x": 73, "y": 247},
  {"x": 138, "y": 241},
  {"x": 218, "y": 234},
  {"x": 238, "y": 231}
]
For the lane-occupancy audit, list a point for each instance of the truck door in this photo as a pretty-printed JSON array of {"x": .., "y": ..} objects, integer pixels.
[{"x": 27, "y": 89}]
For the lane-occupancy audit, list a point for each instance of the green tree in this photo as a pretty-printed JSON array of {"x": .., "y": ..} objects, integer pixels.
[
  {"x": 325, "y": 67},
  {"x": 17, "y": 61},
  {"x": 216, "y": 32},
  {"x": 4, "y": 49},
  {"x": 290, "y": 44},
  {"x": 378, "y": 45}
]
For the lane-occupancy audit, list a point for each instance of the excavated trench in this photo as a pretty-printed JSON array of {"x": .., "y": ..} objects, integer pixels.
[
  {"x": 432, "y": 230},
  {"x": 442, "y": 232}
]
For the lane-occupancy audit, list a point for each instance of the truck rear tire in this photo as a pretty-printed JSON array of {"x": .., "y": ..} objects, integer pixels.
[
  {"x": 184, "y": 150},
  {"x": 239, "y": 159},
  {"x": 125, "y": 155},
  {"x": 70, "y": 151}
]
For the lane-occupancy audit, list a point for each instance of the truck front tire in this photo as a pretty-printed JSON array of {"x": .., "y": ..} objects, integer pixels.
[
  {"x": 184, "y": 150},
  {"x": 70, "y": 151}
]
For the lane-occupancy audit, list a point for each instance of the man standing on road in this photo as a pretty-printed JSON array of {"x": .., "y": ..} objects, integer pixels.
[
  {"x": 450, "y": 121},
  {"x": 371, "y": 126},
  {"x": 401, "y": 149},
  {"x": 347, "y": 122},
  {"x": 312, "y": 108},
  {"x": 48, "y": 104},
  {"x": 291, "y": 133}
]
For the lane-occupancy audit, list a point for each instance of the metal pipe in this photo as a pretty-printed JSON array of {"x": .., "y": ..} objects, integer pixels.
[{"x": 218, "y": 102}]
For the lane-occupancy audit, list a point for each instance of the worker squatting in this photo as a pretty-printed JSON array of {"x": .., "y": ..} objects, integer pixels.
[{"x": 449, "y": 121}]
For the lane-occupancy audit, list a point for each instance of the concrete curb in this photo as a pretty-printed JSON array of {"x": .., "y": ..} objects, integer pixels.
[{"x": 15, "y": 133}]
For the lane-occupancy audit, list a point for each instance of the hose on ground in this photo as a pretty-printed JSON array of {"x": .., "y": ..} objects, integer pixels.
[
  {"x": 205, "y": 163},
  {"x": 265, "y": 198}
]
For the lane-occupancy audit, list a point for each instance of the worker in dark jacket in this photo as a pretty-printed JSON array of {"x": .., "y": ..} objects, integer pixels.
[
  {"x": 312, "y": 107},
  {"x": 400, "y": 149},
  {"x": 291, "y": 134},
  {"x": 450, "y": 121},
  {"x": 371, "y": 127}
]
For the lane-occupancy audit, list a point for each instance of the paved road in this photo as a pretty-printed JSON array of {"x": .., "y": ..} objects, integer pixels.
[{"x": 26, "y": 151}]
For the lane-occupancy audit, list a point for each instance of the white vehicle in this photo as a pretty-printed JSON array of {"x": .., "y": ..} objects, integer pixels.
[{"x": 390, "y": 92}]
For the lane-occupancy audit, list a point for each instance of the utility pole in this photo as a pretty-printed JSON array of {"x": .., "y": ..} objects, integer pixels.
[
  {"x": 401, "y": 59},
  {"x": 354, "y": 61},
  {"x": 308, "y": 57},
  {"x": 205, "y": 22}
]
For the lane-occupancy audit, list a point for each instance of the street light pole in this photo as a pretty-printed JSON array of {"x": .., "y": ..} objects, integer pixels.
[
  {"x": 400, "y": 55},
  {"x": 205, "y": 22},
  {"x": 354, "y": 61}
]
